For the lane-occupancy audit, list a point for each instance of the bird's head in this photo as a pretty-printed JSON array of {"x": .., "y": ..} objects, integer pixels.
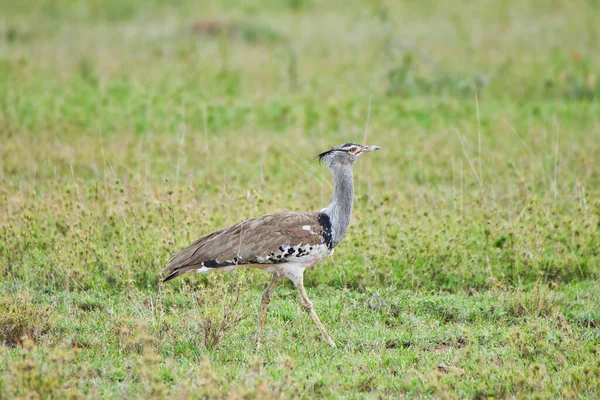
[{"x": 344, "y": 155}]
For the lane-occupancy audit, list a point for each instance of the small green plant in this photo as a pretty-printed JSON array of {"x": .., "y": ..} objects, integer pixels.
[
  {"x": 33, "y": 374},
  {"x": 22, "y": 319},
  {"x": 217, "y": 323}
]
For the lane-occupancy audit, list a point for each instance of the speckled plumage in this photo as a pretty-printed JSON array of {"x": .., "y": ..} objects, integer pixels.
[
  {"x": 284, "y": 243},
  {"x": 259, "y": 242}
]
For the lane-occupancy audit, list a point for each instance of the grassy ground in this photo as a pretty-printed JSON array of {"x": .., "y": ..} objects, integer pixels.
[{"x": 130, "y": 128}]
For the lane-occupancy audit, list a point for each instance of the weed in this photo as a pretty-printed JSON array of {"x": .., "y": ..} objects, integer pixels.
[
  {"x": 21, "y": 319},
  {"x": 35, "y": 375},
  {"x": 216, "y": 325}
]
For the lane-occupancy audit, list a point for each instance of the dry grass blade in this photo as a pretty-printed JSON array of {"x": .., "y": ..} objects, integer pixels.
[
  {"x": 215, "y": 328},
  {"x": 450, "y": 369}
]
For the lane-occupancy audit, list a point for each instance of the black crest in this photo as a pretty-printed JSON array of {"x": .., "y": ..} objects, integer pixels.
[{"x": 343, "y": 147}]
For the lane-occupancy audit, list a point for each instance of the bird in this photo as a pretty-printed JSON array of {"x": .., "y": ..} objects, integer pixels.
[{"x": 285, "y": 243}]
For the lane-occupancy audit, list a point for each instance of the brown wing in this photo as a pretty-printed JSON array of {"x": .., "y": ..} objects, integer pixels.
[{"x": 261, "y": 240}]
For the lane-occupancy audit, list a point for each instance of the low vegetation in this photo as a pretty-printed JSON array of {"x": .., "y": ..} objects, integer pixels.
[{"x": 129, "y": 129}]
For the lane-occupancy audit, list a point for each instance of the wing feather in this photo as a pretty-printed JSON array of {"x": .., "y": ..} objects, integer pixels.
[{"x": 257, "y": 241}]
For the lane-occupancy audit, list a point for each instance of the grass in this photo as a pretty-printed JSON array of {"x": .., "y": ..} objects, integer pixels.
[{"x": 129, "y": 129}]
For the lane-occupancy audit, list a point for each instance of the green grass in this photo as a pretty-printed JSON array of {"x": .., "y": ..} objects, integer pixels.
[{"x": 129, "y": 129}]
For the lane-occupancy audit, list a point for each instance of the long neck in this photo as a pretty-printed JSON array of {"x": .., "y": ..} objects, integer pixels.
[{"x": 340, "y": 209}]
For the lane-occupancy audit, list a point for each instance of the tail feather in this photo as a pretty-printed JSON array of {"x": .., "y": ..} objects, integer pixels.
[
  {"x": 172, "y": 272},
  {"x": 177, "y": 266},
  {"x": 172, "y": 275}
]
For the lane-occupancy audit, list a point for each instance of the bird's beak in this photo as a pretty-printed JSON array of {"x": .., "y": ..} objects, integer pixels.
[{"x": 366, "y": 149}]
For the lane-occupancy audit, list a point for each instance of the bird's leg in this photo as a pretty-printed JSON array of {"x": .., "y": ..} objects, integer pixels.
[
  {"x": 264, "y": 305},
  {"x": 308, "y": 306}
]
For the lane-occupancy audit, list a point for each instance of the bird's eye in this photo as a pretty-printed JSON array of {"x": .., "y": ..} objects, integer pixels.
[{"x": 352, "y": 150}]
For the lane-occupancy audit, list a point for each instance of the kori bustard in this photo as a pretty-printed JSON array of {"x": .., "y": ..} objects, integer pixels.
[{"x": 284, "y": 243}]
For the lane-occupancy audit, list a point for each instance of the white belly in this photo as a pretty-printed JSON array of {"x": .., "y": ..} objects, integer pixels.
[{"x": 294, "y": 268}]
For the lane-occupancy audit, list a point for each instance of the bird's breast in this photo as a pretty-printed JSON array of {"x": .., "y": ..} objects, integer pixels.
[{"x": 297, "y": 254}]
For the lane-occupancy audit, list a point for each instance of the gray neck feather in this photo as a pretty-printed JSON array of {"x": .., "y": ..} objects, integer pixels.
[{"x": 340, "y": 209}]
